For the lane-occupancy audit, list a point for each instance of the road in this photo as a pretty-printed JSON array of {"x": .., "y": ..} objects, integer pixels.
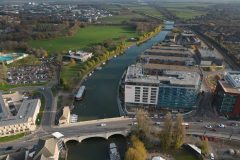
[{"x": 124, "y": 124}]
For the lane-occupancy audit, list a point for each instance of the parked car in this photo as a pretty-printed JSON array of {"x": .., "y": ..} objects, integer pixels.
[
  {"x": 211, "y": 156},
  {"x": 221, "y": 125},
  {"x": 208, "y": 126},
  {"x": 103, "y": 124}
]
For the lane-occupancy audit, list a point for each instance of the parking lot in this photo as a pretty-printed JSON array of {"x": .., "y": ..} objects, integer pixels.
[{"x": 29, "y": 74}]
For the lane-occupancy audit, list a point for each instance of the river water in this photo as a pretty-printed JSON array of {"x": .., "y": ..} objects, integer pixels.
[{"x": 100, "y": 101}]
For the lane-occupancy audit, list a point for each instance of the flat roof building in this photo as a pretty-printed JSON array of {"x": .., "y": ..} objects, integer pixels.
[
  {"x": 227, "y": 95},
  {"x": 209, "y": 57},
  {"x": 171, "y": 60},
  {"x": 78, "y": 56},
  {"x": 170, "y": 89}
]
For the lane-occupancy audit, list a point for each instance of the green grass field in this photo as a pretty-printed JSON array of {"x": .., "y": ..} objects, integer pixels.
[
  {"x": 11, "y": 138},
  {"x": 118, "y": 19},
  {"x": 185, "y": 13},
  {"x": 147, "y": 10},
  {"x": 186, "y": 10},
  {"x": 84, "y": 38}
]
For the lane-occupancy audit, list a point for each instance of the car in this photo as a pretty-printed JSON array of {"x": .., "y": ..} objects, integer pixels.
[
  {"x": 133, "y": 123},
  {"x": 234, "y": 124},
  {"x": 199, "y": 120},
  {"x": 211, "y": 156},
  {"x": 157, "y": 123},
  {"x": 208, "y": 126},
  {"x": 221, "y": 125},
  {"x": 103, "y": 124}
]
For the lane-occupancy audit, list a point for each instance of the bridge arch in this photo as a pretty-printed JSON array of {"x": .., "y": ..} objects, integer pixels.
[
  {"x": 83, "y": 138},
  {"x": 74, "y": 139},
  {"x": 104, "y": 135}
]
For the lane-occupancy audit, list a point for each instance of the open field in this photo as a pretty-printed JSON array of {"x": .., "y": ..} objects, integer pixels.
[
  {"x": 118, "y": 19},
  {"x": 84, "y": 38},
  {"x": 69, "y": 71},
  {"x": 185, "y": 4},
  {"x": 186, "y": 10},
  {"x": 185, "y": 13},
  {"x": 146, "y": 10}
]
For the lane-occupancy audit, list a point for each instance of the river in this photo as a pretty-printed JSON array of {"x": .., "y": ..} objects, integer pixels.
[{"x": 100, "y": 101}]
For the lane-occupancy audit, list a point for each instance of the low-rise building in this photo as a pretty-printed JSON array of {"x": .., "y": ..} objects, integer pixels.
[
  {"x": 24, "y": 121},
  {"x": 188, "y": 38},
  {"x": 168, "y": 54},
  {"x": 170, "y": 60},
  {"x": 209, "y": 57},
  {"x": 65, "y": 118},
  {"x": 169, "y": 90},
  {"x": 79, "y": 56},
  {"x": 227, "y": 95}
]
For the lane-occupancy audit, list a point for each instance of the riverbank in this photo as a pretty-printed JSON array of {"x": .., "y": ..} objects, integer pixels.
[{"x": 85, "y": 69}]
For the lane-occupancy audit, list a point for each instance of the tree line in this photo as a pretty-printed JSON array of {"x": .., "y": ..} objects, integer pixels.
[{"x": 171, "y": 136}]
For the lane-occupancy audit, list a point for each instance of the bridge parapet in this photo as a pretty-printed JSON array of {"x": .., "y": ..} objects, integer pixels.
[{"x": 104, "y": 135}]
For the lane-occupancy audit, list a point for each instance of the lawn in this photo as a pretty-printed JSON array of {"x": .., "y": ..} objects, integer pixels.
[
  {"x": 84, "y": 38},
  {"x": 6, "y": 86},
  {"x": 11, "y": 138}
]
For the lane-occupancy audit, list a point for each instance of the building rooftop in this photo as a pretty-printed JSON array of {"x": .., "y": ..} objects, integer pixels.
[
  {"x": 152, "y": 66},
  {"x": 46, "y": 148},
  {"x": 233, "y": 77},
  {"x": 169, "y": 47},
  {"x": 167, "y": 58},
  {"x": 206, "y": 53},
  {"x": 167, "y": 51},
  {"x": 228, "y": 88},
  {"x": 66, "y": 112},
  {"x": 135, "y": 75},
  {"x": 26, "y": 110}
]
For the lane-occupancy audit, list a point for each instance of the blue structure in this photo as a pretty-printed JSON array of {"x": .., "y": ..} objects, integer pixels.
[{"x": 177, "y": 97}]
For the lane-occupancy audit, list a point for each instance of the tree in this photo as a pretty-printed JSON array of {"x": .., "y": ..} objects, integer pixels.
[
  {"x": 137, "y": 151},
  {"x": 167, "y": 132},
  {"x": 204, "y": 145},
  {"x": 144, "y": 123},
  {"x": 179, "y": 132},
  {"x": 132, "y": 154},
  {"x": 3, "y": 72}
]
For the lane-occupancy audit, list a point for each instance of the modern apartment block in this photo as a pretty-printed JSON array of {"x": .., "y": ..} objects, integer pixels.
[
  {"x": 169, "y": 90},
  {"x": 227, "y": 95}
]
